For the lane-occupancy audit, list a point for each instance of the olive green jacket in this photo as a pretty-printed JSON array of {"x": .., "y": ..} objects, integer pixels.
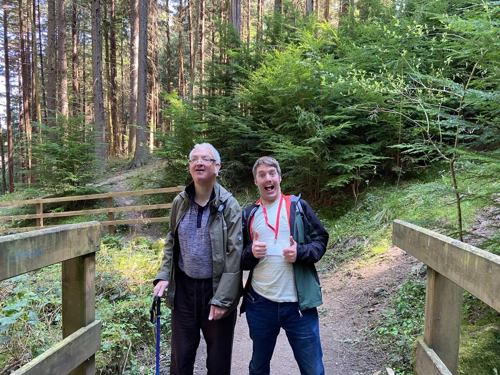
[{"x": 226, "y": 239}]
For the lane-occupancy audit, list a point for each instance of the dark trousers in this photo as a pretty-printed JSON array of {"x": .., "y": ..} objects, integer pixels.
[{"x": 189, "y": 316}]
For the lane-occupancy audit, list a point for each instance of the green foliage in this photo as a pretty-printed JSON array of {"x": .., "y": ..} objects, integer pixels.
[
  {"x": 64, "y": 156},
  {"x": 402, "y": 322},
  {"x": 186, "y": 130},
  {"x": 390, "y": 92}
]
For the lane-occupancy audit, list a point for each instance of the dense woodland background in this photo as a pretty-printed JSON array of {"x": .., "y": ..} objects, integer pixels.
[{"x": 349, "y": 95}]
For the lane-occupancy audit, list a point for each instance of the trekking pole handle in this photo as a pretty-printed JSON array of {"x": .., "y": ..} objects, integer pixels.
[{"x": 154, "y": 311}]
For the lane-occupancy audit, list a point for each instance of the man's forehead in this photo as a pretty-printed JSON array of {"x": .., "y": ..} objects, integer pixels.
[
  {"x": 265, "y": 168},
  {"x": 202, "y": 150}
]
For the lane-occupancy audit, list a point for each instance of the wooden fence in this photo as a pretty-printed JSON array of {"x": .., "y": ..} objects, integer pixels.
[
  {"x": 110, "y": 210},
  {"x": 452, "y": 267},
  {"x": 74, "y": 246}
]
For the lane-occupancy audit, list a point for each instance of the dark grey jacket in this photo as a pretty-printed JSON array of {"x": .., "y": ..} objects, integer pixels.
[{"x": 226, "y": 239}]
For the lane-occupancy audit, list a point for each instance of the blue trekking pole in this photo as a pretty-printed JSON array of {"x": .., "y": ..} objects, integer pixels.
[{"x": 155, "y": 313}]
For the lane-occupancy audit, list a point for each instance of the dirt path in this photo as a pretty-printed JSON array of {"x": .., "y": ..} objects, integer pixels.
[{"x": 354, "y": 297}]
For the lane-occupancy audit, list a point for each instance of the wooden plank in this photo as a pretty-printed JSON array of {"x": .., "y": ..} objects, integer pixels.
[
  {"x": 92, "y": 211},
  {"x": 143, "y": 220},
  {"x": 472, "y": 269},
  {"x": 67, "y": 354},
  {"x": 427, "y": 361},
  {"x": 24, "y": 252},
  {"x": 443, "y": 317},
  {"x": 78, "y": 300},
  {"x": 17, "y": 203}
]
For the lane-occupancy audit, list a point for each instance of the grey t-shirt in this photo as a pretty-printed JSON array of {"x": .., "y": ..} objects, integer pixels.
[{"x": 194, "y": 242}]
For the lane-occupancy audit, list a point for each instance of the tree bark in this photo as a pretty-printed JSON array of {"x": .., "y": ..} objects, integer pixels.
[
  {"x": 278, "y": 6},
  {"x": 236, "y": 17},
  {"x": 75, "y": 84},
  {"x": 25, "y": 118},
  {"x": 2, "y": 159},
  {"x": 141, "y": 151},
  {"x": 62, "y": 61},
  {"x": 259, "y": 21},
  {"x": 8, "y": 109},
  {"x": 181, "y": 83},
  {"x": 202, "y": 18},
  {"x": 309, "y": 7},
  {"x": 51, "y": 53},
  {"x": 134, "y": 62},
  {"x": 326, "y": 11},
  {"x": 42, "y": 74},
  {"x": 113, "y": 84},
  {"x": 35, "y": 73},
  {"x": 99, "y": 117}
]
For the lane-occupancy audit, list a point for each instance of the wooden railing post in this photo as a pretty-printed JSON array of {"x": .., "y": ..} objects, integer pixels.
[
  {"x": 78, "y": 301},
  {"x": 111, "y": 215},
  {"x": 443, "y": 314},
  {"x": 39, "y": 211}
]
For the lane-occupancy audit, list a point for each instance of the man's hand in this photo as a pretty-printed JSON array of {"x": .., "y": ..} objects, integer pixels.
[
  {"x": 216, "y": 312},
  {"x": 160, "y": 288},
  {"x": 290, "y": 253},
  {"x": 259, "y": 248}
]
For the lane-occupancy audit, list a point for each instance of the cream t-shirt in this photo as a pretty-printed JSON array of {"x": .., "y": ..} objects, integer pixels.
[{"x": 273, "y": 276}]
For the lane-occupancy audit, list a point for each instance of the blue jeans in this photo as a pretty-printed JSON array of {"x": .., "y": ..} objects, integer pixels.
[{"x": 265, "y": 318}]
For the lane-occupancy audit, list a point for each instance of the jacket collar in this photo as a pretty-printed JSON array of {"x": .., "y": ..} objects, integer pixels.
[{"x": 218, "y": 196}]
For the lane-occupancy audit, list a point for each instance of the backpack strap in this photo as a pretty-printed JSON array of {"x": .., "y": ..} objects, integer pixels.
[{"x": 250, "y": 216}]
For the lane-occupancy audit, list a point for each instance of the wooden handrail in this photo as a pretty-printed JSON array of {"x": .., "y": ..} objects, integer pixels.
[
  {"x": 110, "y": 210},
  {"x": 452, "y": 267},
  {"x": 113, "y": 194},
  {"x": 74, "y": 246}
]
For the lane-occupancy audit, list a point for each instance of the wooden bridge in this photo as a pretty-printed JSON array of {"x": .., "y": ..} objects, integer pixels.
[{"x": 452, "y": 267}]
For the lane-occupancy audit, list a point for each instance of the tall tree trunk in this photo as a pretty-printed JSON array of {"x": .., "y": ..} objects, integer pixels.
[
  {"x": 35, "y": 73},
  {"x": 343, "y": 8},
  {"x": 278, "y": 6},
  {"x": 168, "y": 64},
  {"x": 235, "y": 17},
  {"x": 141, "y": 151},
  {"x": 326, "y": 11},
  {"x": 75, "y": 84},
  {"x": 84, "y": 78},
  {"x": 25, "y": 121},
  {"x": 99, "y": 117},
  {"x": 2, "y": 160},
  {"x": 62, "y": 61},
  {"x": 51, "y": 53},
  {"x": 181, "y": 80},
  {"x": 202, "y": 18},
  {"x": 107, "y": 79},
  {"x": 192, "y": 45},
  {"x": 134, "y": 62},
  {"x": 309, "y": 7},
  {"x": 124, "y": 119},
  {"x": 248, "y": 22},
  {"x": 40, "y": 54},
  {"x": 259, "y": 21},
  {"x": 114, "y": 86},
  {"x": 152, "y": 73},
  {"x": 8, "y": 109}
]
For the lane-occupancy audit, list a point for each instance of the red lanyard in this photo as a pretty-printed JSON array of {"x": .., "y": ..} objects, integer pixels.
[{"x": 276, "y": 227}]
